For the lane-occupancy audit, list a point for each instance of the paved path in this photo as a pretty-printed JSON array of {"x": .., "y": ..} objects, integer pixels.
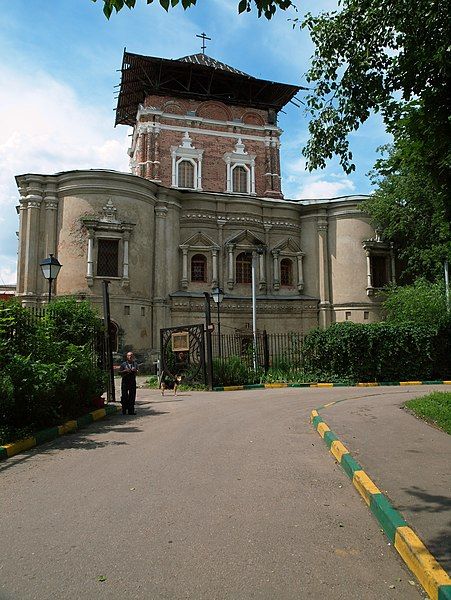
[{"x": 205, "y": 496}]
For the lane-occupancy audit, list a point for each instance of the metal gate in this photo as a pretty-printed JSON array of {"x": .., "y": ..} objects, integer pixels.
[{"x": 183, "y": 352}]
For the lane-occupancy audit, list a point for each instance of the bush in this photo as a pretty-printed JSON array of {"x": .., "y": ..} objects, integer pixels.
[
  {"x": 48, "y": 366},
  {"x": 423, "y": 303},
  {"x": 233, "y": 371},
  {"x": 377, "y": 352}
]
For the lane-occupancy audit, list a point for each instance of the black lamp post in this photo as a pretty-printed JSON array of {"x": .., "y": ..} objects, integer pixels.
[
  {"x": 50, "y": 268},
  {"x": 218, "y": 297}
]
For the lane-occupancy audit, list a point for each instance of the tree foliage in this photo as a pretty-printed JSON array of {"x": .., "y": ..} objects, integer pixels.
[
  {"x": 411, "y": 204},
  {"x": 423, "y": 303},
  {"x": 267, "y": 8},
  {"x": 375, "y": 55}
]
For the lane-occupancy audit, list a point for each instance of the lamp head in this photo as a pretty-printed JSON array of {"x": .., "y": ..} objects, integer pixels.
[
  {"x": 217, "y": 294},
  {"x": 50, "y": 267}
]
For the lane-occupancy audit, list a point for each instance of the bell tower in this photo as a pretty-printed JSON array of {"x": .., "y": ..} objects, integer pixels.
[{"x": 199, "y": 124}]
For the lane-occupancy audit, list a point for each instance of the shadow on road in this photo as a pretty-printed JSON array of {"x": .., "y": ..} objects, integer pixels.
[
  {"x": 82, "y": 439},
  {"x": 439, "y": 545}
]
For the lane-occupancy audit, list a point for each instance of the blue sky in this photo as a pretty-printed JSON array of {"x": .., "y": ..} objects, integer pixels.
[{"x": 57, "y": 97}]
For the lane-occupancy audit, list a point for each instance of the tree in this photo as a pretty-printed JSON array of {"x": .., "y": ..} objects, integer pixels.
[
  {"x": 410, "y": 206},
  {"x": 423, "y": 303},
  {"x": 264, "y": 7},
  {"x": 375, "y": 55}
]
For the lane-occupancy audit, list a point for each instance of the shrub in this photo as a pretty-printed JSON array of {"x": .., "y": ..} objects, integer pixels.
[
  {"x": 423, "y": 303},
  {"x": 48, "y": 365},
  {"x": 377, "y": 352},
  {"x": 233, "y": 371}
]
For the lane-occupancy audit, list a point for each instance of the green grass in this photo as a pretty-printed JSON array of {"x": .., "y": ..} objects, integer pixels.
[{"x": 434, "y": 408}]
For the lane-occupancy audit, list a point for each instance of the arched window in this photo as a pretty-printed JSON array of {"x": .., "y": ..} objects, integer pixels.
[
  {"x": 244, "y": 267},
  {"x": 240, "y": 179},
  {"x": 286, "y": 272},
  {"x": 198, "y": 268},
  {"x": 185, "y": 174}
]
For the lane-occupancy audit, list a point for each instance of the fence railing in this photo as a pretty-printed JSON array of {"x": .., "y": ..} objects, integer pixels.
[
  {"x": 21, "y": 333},
  {"x": 272, "y": 349}
]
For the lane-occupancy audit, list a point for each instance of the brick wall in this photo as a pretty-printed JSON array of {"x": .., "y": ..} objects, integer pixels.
[{"x": 163, "y": 124}]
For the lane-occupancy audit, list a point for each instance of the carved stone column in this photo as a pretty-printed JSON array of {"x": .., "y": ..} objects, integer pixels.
[
  {"x": 23, "y": 214},
  {"x": 161, "y": 266},
  {"x": 90, "y": 259},
  {"x": 276, "y": 271},
  {"x": 51, "y": 213},
  {"x": 150, "y": 144},
  {"x": 125, "y": 283},
  {"x": 221, "y": 222},
  {"x": 300, "y": 256},
  {"x": 185, "y": 280},
  {"x": 262, "y": 278},
  {"x": 323, "y": 260},
  {"x": 32, "y": 249},
  {"x": 231, "y": 274},
  {"x": 215, "y": 280},
  {"x": 369, "y": 282}
]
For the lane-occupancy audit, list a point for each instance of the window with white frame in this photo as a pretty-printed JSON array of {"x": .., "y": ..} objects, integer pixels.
[
  {"x": 186, "y": 165},
  {"x": 240, "y": 179},
  {"x": 240, "y": 170},
  {"x": 185, "y": 173}
]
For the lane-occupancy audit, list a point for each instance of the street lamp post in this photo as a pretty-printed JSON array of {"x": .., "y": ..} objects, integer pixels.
[
  {"x": 50, "y": 268},
  {"x": 218, "y": 297},
  {"x": 255, "y": 254}
]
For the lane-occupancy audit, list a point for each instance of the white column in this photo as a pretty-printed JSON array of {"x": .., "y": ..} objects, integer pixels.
[
  {"x": 90, "y": 260},
  {"x": 125, "y": 265},
  {"x": 231, "y": 278},
  {"x": 323, "y": 259},
  {"x": 32, "y": 248},
  {"x": 199, "y": 174},
  {"x": 276, "y": 276},
  {"x": 262, "y": 278},
  {"x": 300, "y": 256},
  {"x": 214, "y": 253},
  {"x": 252, "y": 177},
  {"x": 229, "y": 176},
  {"x": 174, "y": 170},
  {"x": 369, "y": 283},
  {"x": 184, "y": 267}
]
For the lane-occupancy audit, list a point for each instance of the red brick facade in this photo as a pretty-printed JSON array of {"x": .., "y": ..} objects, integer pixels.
[{"x": 214, "y": 129}]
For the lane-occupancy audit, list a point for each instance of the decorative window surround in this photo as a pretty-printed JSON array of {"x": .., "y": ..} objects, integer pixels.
[
  {"x": 199, "y": 244},
  {"x": 288, "y": 249},
  {"x": 186, "y": 151},
  {"x": 377, "y": 248},
  {"x": 109, "y": 227},
  {"x": 240, "y": 158},
  {"x": 245, "y": 241}
]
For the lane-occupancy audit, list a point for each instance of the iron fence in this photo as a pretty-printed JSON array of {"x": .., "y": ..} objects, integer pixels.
[{"x": 273, "y": 350}]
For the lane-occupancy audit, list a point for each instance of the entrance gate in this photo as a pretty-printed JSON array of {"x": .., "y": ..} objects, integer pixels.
[{"x": 183, "y": 352}]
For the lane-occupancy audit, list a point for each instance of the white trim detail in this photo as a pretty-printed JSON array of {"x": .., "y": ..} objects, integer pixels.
[
  {"x": 186, "y": 151},
  {"x": 240, "y": 158}
]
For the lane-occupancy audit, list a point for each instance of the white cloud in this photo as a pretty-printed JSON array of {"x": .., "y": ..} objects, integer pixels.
[
  {"x": 7, "y": 270},
  {"x": 317, "y": 186},
  {"x": 44, "y": 128}
]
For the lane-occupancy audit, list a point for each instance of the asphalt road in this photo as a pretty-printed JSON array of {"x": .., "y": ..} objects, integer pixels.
[{"x": 227, "y": 495}]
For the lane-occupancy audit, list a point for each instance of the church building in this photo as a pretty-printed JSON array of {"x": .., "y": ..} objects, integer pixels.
[{"x": 203, "y": 197}]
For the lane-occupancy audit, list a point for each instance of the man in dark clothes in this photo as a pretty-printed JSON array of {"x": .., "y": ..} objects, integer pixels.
[{"x": 128, "y": 371}]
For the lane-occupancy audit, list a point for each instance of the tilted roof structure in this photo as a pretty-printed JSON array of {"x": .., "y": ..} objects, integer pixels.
[{"x": 196, "y": 76}]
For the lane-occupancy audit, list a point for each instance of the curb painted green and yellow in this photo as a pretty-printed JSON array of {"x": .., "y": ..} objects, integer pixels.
[
  {"x": 270, "y": 386},
  {"x": 414, "y": 553},
  {"x": 46, "y": 435}
]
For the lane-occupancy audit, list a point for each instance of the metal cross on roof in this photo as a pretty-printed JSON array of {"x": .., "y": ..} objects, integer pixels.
[{"x": 204, "y": 37}]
